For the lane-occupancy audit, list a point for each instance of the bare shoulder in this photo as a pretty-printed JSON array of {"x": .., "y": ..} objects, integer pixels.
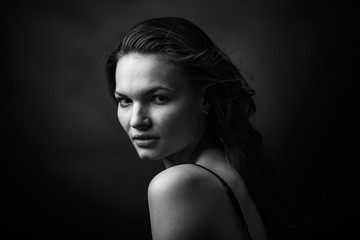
[
  {"x": 184, "y": 199},
  {"x": 184, "y": 178}
]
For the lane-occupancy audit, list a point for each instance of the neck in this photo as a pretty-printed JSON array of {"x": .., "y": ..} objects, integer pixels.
[{"x": 191, "y": 153}]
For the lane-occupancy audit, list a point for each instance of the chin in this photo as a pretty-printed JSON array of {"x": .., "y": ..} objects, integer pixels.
[{"x": 148, "y": 155}]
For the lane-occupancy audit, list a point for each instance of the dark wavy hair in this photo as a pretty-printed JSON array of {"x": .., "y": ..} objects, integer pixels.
[{"x": 231, "y": 99}]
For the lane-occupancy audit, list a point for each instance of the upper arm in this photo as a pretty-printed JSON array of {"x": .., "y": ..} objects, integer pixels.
[{"x": 182, "y": 204}]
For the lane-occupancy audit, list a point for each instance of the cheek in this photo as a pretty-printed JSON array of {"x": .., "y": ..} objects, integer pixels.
[
  {"x": 123, "y": 119},
  {"x": 181, "y": 122}
]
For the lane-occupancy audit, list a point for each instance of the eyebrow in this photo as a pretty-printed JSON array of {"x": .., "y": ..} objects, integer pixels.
[{"x": 146, "y": 91}]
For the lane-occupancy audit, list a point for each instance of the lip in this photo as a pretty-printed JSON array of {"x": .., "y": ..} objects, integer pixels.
[
  {"x": 144, "y": 136},
  {"x": 145, "y": 140}
]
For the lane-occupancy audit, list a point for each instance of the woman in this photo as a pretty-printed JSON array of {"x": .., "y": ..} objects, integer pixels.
[{"x": 181, "y": 100}]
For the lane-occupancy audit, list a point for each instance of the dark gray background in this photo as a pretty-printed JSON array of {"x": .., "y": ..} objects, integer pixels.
[{"x": 71, "y": 171}]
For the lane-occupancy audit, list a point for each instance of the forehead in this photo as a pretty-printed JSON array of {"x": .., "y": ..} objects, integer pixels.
[{"x": 136, "y": 72}]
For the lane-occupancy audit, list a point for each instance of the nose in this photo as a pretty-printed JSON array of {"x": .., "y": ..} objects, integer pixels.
[{"x": 139, "y": 117}]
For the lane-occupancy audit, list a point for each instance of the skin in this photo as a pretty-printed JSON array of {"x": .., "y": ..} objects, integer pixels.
[
  {"x": 156, "y": 99},
  {"x": 185, "y": 201}
]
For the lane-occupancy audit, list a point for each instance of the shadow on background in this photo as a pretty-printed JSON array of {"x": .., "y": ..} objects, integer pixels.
[{"x": 70, "y": 169}]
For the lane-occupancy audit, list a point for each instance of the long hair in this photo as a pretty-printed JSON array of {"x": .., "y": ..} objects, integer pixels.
[{"x": 231, "y": 99}]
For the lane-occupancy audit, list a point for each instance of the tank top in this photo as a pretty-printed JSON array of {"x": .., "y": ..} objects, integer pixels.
[{"x": 233, "y": 200}]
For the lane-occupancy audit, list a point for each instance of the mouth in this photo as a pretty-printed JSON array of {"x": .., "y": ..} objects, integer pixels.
[{"x": 145, "y": 141}]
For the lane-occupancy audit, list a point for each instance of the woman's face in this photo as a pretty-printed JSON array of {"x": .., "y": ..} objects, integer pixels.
[{"x": 157, "y": 106}]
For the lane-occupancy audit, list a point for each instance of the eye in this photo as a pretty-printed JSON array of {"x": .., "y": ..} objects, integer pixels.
[
  {"x": 159, "y": 99},
  {"x": 124, "y": 102}
]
